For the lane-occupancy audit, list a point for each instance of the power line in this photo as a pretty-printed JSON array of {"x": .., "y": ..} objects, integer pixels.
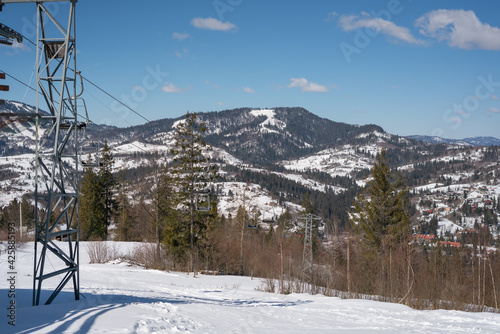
[
  {"x": 22, "y": 83},
  {"x": 99, "y": 88},
  {"x": 124, "y": 140},
  {"x": 33, "y": 89},
  {"x": 102, "y": 90},
  {"x": 111, "y": 96}
]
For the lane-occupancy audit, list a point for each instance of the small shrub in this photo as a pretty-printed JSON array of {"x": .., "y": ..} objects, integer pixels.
[{"x": 102, "y": 252}]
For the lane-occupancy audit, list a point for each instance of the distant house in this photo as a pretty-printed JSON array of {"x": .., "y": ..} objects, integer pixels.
[
  {"x": 423, "y": 239},
  {"x": 450, "y": 244}
]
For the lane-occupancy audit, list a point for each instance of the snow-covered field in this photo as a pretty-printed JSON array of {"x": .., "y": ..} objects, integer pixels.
[{"x": 120, "y": 298}]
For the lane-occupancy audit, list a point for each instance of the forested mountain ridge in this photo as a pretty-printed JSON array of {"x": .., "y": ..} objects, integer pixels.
[
  {"x": 288, "y": 151},
  {"x": 260, "y": 135}
]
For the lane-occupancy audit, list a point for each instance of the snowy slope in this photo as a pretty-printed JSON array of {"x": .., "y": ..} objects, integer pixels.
[
  {"x": 119, "y": 298},
  {"x": 340, "y": 161}
]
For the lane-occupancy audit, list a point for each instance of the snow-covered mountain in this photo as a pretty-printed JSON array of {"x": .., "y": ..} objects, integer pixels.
[
  {"x": 472, "y": 141},
  {"x": 281, "y": 153}
]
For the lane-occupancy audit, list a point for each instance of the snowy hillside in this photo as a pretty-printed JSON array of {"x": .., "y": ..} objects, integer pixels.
[
  {"x": 342, "y": 161},
  {"x": 121, "y": 298}
]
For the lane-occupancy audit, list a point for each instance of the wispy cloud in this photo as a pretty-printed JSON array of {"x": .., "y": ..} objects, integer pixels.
[
  {"x": 495, "y": 110},
  {"x": 180, "y": 36},
  {"x": 220, "y": 103},
  {"x": 15, "y": 48},
  {"x": 182, "y": 53},
  {"x": 214, "y": 85},
  {"x": 307, "y": 86},
  {"x": 459, "y": 28},
  {"x": 494, "y": 97},
  {"x": 248, "y": 90},
  {"x": 353, "y": 22},
  {"x": 332, "y": 16},
  {"x": 212, "y": 24},
  {"x": 171, "y": 88}
]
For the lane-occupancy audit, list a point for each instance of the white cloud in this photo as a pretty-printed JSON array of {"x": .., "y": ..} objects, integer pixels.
[
  {"x": 494, "y": 97},
  {"x": 495, "y": 110},
  {"x": 248, "y": 90},
  {"x": 353, "y": 22},
  {"x": 212, "y": 24},
  {"x": 459, "y": 28},
  {"x": 15, "y": 48},
  {"x": 171, "y": 88},
  {"x": 182, "y": 53},
  {"x": 220, "y": 103},
  {"x": 307, "y": 86},
  {"x": 20, "y": 46},
  {"x": 180, "y": 36}
]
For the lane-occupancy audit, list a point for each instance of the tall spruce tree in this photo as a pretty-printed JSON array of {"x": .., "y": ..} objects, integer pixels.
[
  {"x": 192, "y": 172},
  {"x": 380, "y": 210},
  {"x": 108, "y": 183},
  {"x": 92, "y": 209},
  {"x": 97, "y": 203}
]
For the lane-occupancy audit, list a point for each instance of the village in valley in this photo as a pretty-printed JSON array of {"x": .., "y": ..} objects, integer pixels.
[{"x": 454, "y": 215}]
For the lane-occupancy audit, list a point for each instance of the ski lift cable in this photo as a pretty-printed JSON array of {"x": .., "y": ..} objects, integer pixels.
[
  {"x": 114, "y": 98},
  {"x": 90, "y": 121},
  {"x": 33, "y": 89},
  {"x": 93, "y": 84},
  {"x": 96, "y": 86}
]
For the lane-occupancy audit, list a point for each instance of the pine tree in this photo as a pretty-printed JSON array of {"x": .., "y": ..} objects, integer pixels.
[
  {"x": 92, "y": 208},
  {"x": 380, "y": 210},
  {"x": 307, "y": 204},
  {"x": 125, "y": 220},
  {"x": 108, "y": 183},
  {"x": 28, "y": 212},
  {"x": 192, "y": 171}
]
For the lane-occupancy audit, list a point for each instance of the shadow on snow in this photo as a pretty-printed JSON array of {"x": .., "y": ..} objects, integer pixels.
[{"x": 64, "y": 311}]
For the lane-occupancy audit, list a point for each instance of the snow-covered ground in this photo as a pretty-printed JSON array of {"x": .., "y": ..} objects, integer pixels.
[
  {"x": 253, "y": 198},
  {"x": 120, "y": 298},
  {"x": 445, "y": 225},
  {"x": 336, "y": 162}
]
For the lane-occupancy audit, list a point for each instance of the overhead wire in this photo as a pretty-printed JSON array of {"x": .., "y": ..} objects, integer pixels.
[
  {"x": 124, "y": 139},
  {"x": 111, "y": 96},
  {"x": 100, "y": 89},
  {"x": 33, "y": 89}
]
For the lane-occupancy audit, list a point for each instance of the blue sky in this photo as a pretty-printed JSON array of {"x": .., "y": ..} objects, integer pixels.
[{"x": 412, "y": 67}]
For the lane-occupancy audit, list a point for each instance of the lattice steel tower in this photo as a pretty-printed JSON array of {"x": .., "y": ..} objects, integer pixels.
[
  {"x": 56, "y": 189},
  {"x": 307, "y": 254}
]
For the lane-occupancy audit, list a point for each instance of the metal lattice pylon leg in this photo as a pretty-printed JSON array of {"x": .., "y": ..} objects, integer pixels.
[
  {"x": 307, "y": 254},
  {"x": 56, "y": 190}
]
